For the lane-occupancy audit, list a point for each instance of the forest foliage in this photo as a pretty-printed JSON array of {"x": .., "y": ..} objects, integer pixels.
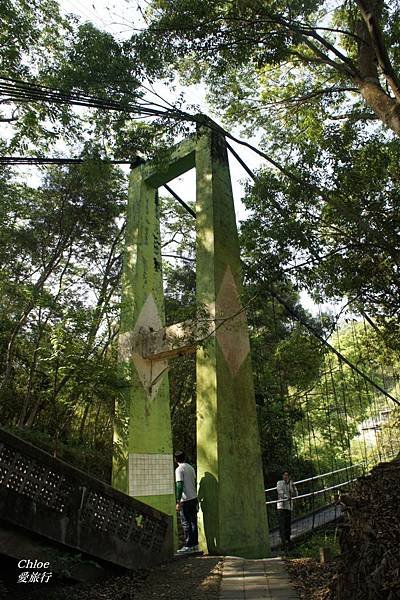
[{"x": 318, "y": 84}]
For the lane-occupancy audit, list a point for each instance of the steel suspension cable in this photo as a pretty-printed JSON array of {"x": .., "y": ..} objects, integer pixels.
[
  {"x": 356, "y": 384},
  {"x": 344, "y": 399},
  {"x": 344, "y": 438},
  {"x": 338, "y": 354},
  {"x": 325, "y": 396},
  {"x": 24, "y": 90}
]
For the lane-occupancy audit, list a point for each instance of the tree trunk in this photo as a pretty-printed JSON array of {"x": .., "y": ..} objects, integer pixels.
[
  {"x": 387, "y": 109},
  {"x": 83, "y": 422},
  {"x": 48, "y": 270}
]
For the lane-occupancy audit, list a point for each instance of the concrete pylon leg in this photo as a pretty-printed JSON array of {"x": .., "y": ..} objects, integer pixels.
[
  {"x": 146, "y": 471},
  {"x": 233, "y": 516}
]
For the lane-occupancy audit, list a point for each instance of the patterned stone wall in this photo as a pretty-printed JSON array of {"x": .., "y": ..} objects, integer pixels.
[{"x": 49, "y": 497}]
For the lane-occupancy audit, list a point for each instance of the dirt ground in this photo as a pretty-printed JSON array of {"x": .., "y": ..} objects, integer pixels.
[
  {"x": 194, "y": 578},
  {"x": 185, "y": 578},
  {"x": 311, "y": 578}
]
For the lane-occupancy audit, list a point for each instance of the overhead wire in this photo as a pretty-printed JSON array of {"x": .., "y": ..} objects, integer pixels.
[
  {"x": 339, "y": 354},
  {"x": 374, "y": 416},
  {"x": 325, "y": 397},
  {"x": 281, "y": 384},
  {"x": 332, "y": 348},
  {"x": 28, "y": 91},
  {"x": 376, "y": 419},
  {"x": 34, "y": 92},
  {"x": 386, "y": 410},
  {"x": 342, "y": 424},
  {"x": 26, "y": 160},
  {"x": 85, "y": 12},
  {"x": 24, "y": 91},
  {"x": 23, "y": 160}
]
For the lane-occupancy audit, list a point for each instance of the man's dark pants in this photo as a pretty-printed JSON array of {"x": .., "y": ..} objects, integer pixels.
[
  {"x": 285, "y": 524},
  {"x": 189, "y": 522}
]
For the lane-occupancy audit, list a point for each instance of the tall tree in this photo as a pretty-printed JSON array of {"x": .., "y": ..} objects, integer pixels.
[
  {"x": 344, "y": 48},
  {"x": 319, "y": 82},
  {"x": 59, "y": 282}
]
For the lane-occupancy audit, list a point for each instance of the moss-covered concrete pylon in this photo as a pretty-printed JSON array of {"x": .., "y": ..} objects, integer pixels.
[{"x": 232, "y": 516}]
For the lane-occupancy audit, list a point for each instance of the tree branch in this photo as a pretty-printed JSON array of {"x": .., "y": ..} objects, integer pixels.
[
  {"x": 358, "y": 115},
  {"x": 9, "y": 120},
  {"x": 345, "y": 66},
  {"x": 379, "y": 46},
  {"x": 342, "y": 68}
]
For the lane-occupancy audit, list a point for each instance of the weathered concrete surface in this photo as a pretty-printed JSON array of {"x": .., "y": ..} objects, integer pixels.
[
  {"x": 256, "y": 580},
  {"x": 46, "y": 496},
  {"x": 233, "y": 512},
  {"x": 168, "y": 342},
  {"x": 146, "y": 472},
  {"x": 233, "y": 517},
  {"x": 171, "y": 164},
  {"x": 20, "y": 544}
]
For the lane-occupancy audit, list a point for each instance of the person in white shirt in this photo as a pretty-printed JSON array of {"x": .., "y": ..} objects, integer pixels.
[
  {"x": 286, "y": 491},
  {"x": 186, "y": 502}
]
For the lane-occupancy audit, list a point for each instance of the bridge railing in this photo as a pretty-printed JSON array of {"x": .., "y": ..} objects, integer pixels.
[
  {"x": 51, "y": 498},
  {"x": 315, "y": 492}
]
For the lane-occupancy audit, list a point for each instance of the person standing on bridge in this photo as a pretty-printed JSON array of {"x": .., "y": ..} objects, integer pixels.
[
  {"x": 186, "y": 502},
  {"x": 286, "y": 491}
]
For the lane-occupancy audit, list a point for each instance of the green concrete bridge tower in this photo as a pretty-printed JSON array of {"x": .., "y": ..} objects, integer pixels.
[
  {"x": 234, "y": 519},
  {"x": 146, "y": 472}
]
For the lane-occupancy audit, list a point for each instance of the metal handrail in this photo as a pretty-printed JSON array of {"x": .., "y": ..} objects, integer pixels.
[
  {"x": 321, "y": 475},
  {"x": 332, "y": 487}
]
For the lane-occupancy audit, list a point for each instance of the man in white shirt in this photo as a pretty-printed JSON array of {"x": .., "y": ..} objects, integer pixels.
[
  {"x": 286, "y": 491},
  {"x": 186, "y": 502}
]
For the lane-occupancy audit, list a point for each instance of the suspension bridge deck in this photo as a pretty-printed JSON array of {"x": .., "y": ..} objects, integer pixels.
[{"x": 306, "y": 524}]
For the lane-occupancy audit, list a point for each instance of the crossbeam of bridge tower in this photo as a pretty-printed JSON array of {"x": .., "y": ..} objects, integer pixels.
[{"x": 233, "y": 516}]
